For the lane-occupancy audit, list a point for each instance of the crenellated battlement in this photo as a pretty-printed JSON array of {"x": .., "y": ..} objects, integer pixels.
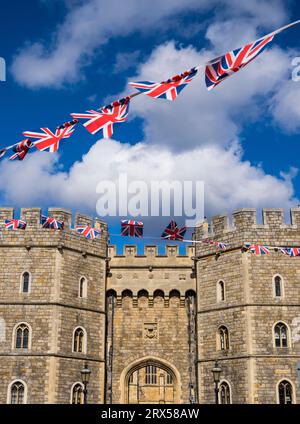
[
  {"x": 150, "y": 252},
  {"x": 35, "y": 234},
  {"x": 244, "y": 228}
]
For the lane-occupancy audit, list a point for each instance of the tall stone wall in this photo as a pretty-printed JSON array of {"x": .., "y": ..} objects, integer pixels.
[
  {"x": 56, "y": 260},
  {"x": 152, "y": 323},
  {"x": 252, "y": 366}
]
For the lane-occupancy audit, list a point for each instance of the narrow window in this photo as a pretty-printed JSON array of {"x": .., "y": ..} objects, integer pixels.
[
  {"x": 224, "y": 393},
  {"x": 82, "y": 287},
  {"x": 77, "y": 394},
  {"x": 17, "y": 392},
  {"x": 151, "y": 374},
  {"x": 278, "y": 286},
  {"x": 78, "y": 345},
  {"x": 221, "y": 291},
  {"x": 285, "y": 393},
  {"x": 224, "y": 338},
  {"x": 25, "y": 282},
  {"x": 22, "y": 336},
  {"x": 169, "y": 379},
  {"x": 281, "y": 335}
]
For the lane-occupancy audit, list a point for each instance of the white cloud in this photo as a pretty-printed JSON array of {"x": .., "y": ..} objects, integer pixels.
[
  {"x": 229, "y": 181},
  {"x": 285, "y": 106},
  {"x": 198, "y": 117},
  {"x": 126, "y": 60},
  {"x": 90, "y": 24},
  {"x": 193, "y": 138}
]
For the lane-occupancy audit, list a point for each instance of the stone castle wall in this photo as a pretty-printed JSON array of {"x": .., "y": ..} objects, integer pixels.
[
  {"x": 149, "y": 309},
  {"x": 56, "y": 260},
  {"x": 151, "y": 322},
  {"x": 252, "y": 366}
]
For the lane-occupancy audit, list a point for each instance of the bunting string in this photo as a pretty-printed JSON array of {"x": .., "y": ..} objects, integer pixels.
[
  {"x": 104, "y": 118},
  {"x": 131, "y": 228}
]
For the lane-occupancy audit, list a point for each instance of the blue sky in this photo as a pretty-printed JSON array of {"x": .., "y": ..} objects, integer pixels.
[{"x": 69, "y": 56}]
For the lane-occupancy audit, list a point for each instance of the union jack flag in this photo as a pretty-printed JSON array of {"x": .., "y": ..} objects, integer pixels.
[
  {"x": 48, "y": 222},
  {"x": 48, "y": 139},
  {"x": 172, "y": 232},
  {"x": 88, "y": 232},
  {"x": 291, "y": 251},
  {"x": 132, "y": 228},
  {"x": 21, "y": 149},
  {"x": 222, "y": 67},
  {"x": 221, "y": 245},
  {"x": 15, "y": 224},
  {"x": 169, "y": 89},
  {"x": 105, "y": 118},
  {"x": 257, "y": 249}
]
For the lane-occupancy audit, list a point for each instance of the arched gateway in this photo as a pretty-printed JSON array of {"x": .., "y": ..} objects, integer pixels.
[{"x": 150, "y": 380}]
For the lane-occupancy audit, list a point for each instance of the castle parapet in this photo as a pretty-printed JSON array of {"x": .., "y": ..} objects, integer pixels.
[
  {"x": 273, "y": 217},
  {"x": 32, "y": 216},
  {"x": 35, "y": 234},
  {"x": 6, "y": 213},
  {"x": 273, "y": 231},
  {"x": 151, "y": 251},
  {"x": 61, "y": 215},
  {"x": 220, "y": 224},
  {"x": 244, "y": 218}
]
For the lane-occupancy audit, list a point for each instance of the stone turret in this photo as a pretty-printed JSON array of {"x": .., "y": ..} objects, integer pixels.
[
  {"x": 245, "y": 296},
  {"x": 273, "y": 231},
  {"x": 66, "y": 290}
]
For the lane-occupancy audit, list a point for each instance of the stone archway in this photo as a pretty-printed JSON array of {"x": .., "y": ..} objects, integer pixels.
[{"x": 150, "y": 380}]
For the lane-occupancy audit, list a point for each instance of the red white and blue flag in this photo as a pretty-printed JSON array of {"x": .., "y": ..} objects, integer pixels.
[
  {"x": 222, "y": 67},
  {"x": 257, "y": 249},
  {"x": 132, "y": 228},
  {"x": 21, "y": 149},
  {"x": 173, "y": 232},
  {"x": 49, "y": 222},
  {"x": 2, "y": 152},
  {"x": 169, "y": 89},
  {"x": 88, "y": 232},
  {"x": 105, "y": 118},
  {"x": 221, "y": 245},
  {"x": 290, "y": 251},
  {"x": 15, "y": 224},
  {"x": 47, "y": 140}
]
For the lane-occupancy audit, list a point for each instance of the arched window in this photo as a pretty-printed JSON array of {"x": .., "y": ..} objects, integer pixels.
[
  {"x": 158, "y": 297},
  {"x": 111, "y": 297},
  {"x": 79, "y": 340},
  {"x": 22, "y": 336},
  {"x": 77, "y": 395},
  {"x": 281, "y": 335},
  {"x": 17, "y": 392},
  {"x": 127, "y": 297},
  {"x": 150, "y": 381},
  {"x": 82, "y": 292},
  {"x": 220, "y": 291},
  {"x": 174, "y": 297},
  {"x": 224, "y": 393},
  {"x": 143, "y": 297},
  {"x": 277, "y": 286},
  {"x": 285, "y": 393},
  {"x": 223, "y": 338},
  {"x": 25, "y": 282}
]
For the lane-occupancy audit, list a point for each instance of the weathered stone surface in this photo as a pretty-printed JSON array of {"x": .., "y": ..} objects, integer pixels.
[
  {"x": 252, "y": 366},
  {"x": 149, "y": 310},
  {"x": 56, "y": 260}
]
